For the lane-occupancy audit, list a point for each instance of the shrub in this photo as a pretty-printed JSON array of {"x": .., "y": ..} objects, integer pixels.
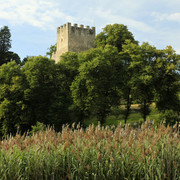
[
  {"x": 37, "y": 128},
  {"x": 170, "y": 117}
]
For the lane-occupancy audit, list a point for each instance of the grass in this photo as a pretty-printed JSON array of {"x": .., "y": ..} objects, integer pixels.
[
  {"x": 116, "y": 117},
  {"x": 93, "y": 153}
]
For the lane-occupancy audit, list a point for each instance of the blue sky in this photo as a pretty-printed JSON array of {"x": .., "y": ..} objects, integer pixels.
[{"x": 33, "y": 23}]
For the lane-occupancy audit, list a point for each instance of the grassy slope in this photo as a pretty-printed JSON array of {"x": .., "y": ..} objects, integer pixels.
[{"x": 116, "y": 116}]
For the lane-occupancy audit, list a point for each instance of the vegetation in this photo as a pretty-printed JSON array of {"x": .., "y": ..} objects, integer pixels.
[
  {"x": 117, "y": 81},
  {"x": 5, "y": 44},
  {"x": 94, "y": 89},
  {"x": 115, "y": 35},
  {"x": 100, "y": 84},
  {"x": 51, "y": 50},
  {"x": 94, "y": 153},
  {"x": 33, "y": 92}
]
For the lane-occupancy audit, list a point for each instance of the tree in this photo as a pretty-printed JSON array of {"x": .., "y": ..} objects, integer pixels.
[
  {"x": 141, "y": 68},
  {"x": 11, "y": 97},
  {"x": 11, "y": 56},
  {"x": 126, "y": 88},
  {"x": 114, "y": 35},
  {"x": 70, "y": 62},
  {"x": 51, "y": 50},
  {"x": 25, "y": 59},
  {"x": 5, "y": 43},
  {"x": 45, "y": 96},
  {"x": 117, "y": 35},
  {"x": 95, "y": 87},
  {"x": 166, "y": 82},
  {"x": 35, "y": 92}
]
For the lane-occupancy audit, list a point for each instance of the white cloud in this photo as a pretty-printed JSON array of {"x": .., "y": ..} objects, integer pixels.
[
  {"x": 167, "y": 17},
  {"x": 110, "y": 17},
  {"x": 174, "y": 17},
  {"x": 39, "y": 13}
]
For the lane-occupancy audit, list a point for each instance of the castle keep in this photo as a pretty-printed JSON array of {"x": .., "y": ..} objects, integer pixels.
[{"x": 73, "y": 38}]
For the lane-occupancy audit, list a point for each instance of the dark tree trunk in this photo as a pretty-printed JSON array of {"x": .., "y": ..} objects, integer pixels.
[
  {"x": 102, "y": 116},
  {"x": 128, "y": 106}
]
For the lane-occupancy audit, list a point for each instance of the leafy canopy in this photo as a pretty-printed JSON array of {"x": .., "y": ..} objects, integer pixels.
[{"x": 114, "y": 35}]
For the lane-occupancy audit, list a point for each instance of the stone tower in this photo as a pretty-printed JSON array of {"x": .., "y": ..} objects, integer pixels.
[{"x": 73, "y": 38}]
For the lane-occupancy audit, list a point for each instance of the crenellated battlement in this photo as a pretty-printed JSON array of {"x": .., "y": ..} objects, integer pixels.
[
  {"x": 73, "y": 38},
  {"x": 75, "y": 27}
]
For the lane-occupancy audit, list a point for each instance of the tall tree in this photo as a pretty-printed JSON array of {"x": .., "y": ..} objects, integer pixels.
[
  {"x": 126, "y": 88},
  {"x": 5, "y": 43},
  {"x": 167, "y": 78},
  {"x": 95, "y": 87},
  {"x": 70, "y": 62},
  {"x": 45, "y": 96},
  {"x": 141, "y": 67},
  {"x": 117, "y": 35},
  {"x": 5, "y": 39},
  {"x": 11, "y": 98},
  {"x": 114, "y": 35}
]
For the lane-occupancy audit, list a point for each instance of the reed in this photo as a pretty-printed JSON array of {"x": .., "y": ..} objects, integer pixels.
[{"x": 93, "y": 153}]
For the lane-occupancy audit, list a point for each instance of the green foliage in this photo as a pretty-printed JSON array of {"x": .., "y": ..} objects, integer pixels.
[
  {"x": 166, "y": 80},
  {"x": 11, "y": 56},
  {"x": 38, "y": 127},
  {"x": 45, "y": 95},
  {"x": 170, "y": 117},
  {"x": 114, "y": 35},
  {"x": 51, "y": 50},
  {"x": 11, "y": 93},
  {"x": 5, "y": 44},
  {"x": 35, "y": 92},
  {"x": 88, "y": 84},
  {"x": 5, "y": 41},
  {"x": 140, "y": 63},
  {"x": 25, "y": 60},
  {"x": 95, "y": 153},
  {"x": 70, "y": 62},
  {"x": 95, "y": 88}
]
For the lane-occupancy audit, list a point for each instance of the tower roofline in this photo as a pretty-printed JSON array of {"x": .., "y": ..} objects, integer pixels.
[{"x": 76, "y": 26}]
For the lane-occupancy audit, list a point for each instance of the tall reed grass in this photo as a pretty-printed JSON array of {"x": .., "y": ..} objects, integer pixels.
[{"x": 94, "y": 153}]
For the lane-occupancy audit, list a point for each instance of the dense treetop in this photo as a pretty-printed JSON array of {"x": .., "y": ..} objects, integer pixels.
[
  {"x": 114, "y": 35},
  {"x": 5, "y": 45}
]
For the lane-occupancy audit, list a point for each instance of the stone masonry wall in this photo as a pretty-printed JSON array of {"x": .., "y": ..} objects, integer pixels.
[
  {"x": 73, "y": 38},
  {"x": 80, "y": 38}
]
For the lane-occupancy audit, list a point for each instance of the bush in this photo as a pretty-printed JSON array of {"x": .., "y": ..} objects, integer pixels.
[
  {"x": 170, "y": 117},
  {"x": 37, "y": 128}
]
